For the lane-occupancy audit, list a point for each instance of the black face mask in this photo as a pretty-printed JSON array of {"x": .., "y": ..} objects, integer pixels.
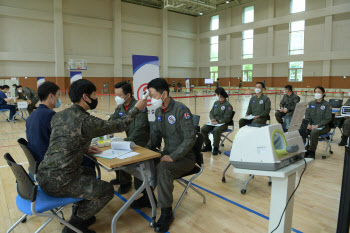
[{"x": 93, "y": 103}]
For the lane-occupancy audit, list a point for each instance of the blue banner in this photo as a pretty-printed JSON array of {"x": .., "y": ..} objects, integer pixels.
[
  {"x": 40, "y": 80},
  {"x": 75, "y": 75}
]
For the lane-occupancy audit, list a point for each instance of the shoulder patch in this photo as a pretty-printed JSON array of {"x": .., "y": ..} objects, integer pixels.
[
  {"x": 229, "y": 108},
  {"x": 187, "y": 115}
]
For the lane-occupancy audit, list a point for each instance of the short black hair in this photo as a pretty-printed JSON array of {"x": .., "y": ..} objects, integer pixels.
[
  {"x": 46, "y": 89},
  {"x": 289, "y": 87},
  {"x": 14, "y": 85},
  {"x": 322, "y": 89},
  {"x": 5, "y": 87},
  {"x": 262, "y": 84},
  {"x": 221, "y": 91},
  {"x": 19, "y": 86},
  {"x": 79, "y": 88},
  {"x": 125, "y": 86},
  {"x": 160, "y": 84},
  {"x": 1, "y": 88}
]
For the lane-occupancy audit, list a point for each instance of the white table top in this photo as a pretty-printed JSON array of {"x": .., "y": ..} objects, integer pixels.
[{"x": 281, "y": 173}]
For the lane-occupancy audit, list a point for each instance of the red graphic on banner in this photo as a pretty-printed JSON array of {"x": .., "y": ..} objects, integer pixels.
[{"x": 140, "y": 92}]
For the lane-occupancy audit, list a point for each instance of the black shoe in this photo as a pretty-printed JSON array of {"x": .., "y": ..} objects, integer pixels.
[
  {"x": 78, "y": 223},
  {"x": 114, "y": 182},
  {"x": 124, "y": 188},
  {"x": 310, "y": 154},
  {"x": 344, "y": 141},
  {"x": 207, "y": 148},
  {"x": 142, "y": 202},
  {"x": 216, "y": 151},
  {"x": 87, "y": 222},
  {"x": 165, "y": 220}
]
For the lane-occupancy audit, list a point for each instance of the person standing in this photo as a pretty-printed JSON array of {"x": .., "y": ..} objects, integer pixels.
[{"x": 31, "y": 96}]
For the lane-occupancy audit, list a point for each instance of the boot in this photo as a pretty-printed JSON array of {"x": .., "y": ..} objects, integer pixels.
[
  {"x": 344, "y": 141},
  {"x": 216, "y": 151},
  {"x": 165, "y": 220},
  {"x": 143, "y": 202},
  {"x": 124, "y": 188},
  {"x": 207, "y": 148},
  {"x": 78, "y": 223},
  {"x": 310, "y": 154},
  {"x": 116, "y": 180},
  {"x": 87, "y": 222}
]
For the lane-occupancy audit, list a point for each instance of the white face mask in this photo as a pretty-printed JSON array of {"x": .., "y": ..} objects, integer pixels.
[
  {"x": 19, "y": 91},
  {"x": 257, "y": 90},
  {"x": 318, "y": 96},
  {"x": 119, "y": 100},
  {"x": 217, "y": 98},
  {"x": 157, "y": 103}
]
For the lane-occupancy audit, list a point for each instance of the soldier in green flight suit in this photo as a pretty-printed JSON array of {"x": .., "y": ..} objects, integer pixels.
[
  {"x": 137, "y": 132},
  {"x": 221, "y": 112},
  {"x": 287, "y": 104},
  {"x": 319, "y": 115},
  {"x": 31, "y": 96},
  {"x": 259, "y": 107},
  {"x": 61, "y": 173},
  {"x": 345, "y": 127}
]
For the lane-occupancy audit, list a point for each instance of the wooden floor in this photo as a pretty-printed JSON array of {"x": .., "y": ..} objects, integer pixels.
[{"x": 227, "y": 210}]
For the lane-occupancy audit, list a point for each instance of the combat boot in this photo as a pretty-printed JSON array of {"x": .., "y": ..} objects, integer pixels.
[
  {"x": 143, "y": 202},
  {"x": 87, "y": 222},
  {"x": 310, "y": 154},
  {"x": 344, "y": 141},
  {"x": 207, "y": 148},
  {"x": 165, "y": 220},
  {"x": 216, "y": 151},
  {"x": 78, "y": 223}
]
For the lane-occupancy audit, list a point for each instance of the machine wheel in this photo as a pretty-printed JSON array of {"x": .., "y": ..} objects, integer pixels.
[
  {"x": 324, "y": 157},
  {"x": 222, "y": 145},
  {"x": 24, "y": 220},
  {"x": 153, "y": 223},
  {"x": 331, "y": 152},
  {"x": 223, "y": 180},
  {"x": 243, "y": 191},
  {"x": 269, "y": 183}
]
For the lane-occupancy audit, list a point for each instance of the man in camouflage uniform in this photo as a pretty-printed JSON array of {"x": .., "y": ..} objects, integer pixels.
[
  {"x": 319, "y": 115},
  {"x": 259, "y": 107},
  {"x": 31, "y": 96},
  {"x": 221, "y": 112},
  {"x": 173, "y": 123},
  {"x": 287, "y": 104},
  {"x": 137, "y": 132},
  {"x": 346, "y": 127},
  {"x": 61, "y": 173}
]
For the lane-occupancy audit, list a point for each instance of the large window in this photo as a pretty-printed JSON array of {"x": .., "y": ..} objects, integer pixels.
[
  {"x": 214, "y": 48},
  {"x": 296, "y": 37},
  {"x": 247, "y": 44},
  {"x": 248, "y": 14},
  {"x": 296, "y": 71},
  {"x": 214, "y": 23},
  {"x": 297, "y": 6},
  {"x": 214, "y": 73},
  {"x": 247, "y": 73}
]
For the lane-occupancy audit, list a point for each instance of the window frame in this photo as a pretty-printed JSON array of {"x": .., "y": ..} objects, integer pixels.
[
  {"x": 244, "y": 16},
  {"x": 211, "y": 45},
  {"x": 291, "y": 7},
  {"x": 295, "y": 72},
  {"x": 247, "y": 56},
  {"x": 216, "y": 73},
  {"x": 290, "y": 39},
  {"x": 247, "y": 71},
  {"x": 214, "y": 17}
]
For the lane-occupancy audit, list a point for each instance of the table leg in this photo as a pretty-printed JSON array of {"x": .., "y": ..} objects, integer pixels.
[
  {"x": 282, "y": 188},
  {"x": 150, "y": 196}
]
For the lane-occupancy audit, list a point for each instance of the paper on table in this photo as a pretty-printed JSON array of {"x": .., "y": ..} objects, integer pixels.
[
  {"x": 122, "y": 145},
  {"x": 339, "y": 116},
  {"x": 210, "y": 124},
  {"x": 250, "y": 117},
  {"x": 112, "y": 154}
]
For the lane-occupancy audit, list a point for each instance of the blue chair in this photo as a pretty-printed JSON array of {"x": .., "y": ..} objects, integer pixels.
[
  {"x": 3, "y": 112},
  {"x": 336, "y": 105},
  {"x": 244, "y": 190},
  {"x": 328, "y": 137},
  {"x": 227, "y": 132},
  {"x": 31, "y": 200},
  {"x": 33, "y": 163}
]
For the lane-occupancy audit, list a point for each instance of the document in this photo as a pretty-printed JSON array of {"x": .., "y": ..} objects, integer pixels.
[
  {"x": 250, "y": 117},
  {"x": 217, "y": 125},
  {"x": 113, "y": 154},
  {"x": 122, "y": 145}
]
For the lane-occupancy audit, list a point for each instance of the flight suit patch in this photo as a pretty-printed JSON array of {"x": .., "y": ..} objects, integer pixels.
[
  {"x": 121, "y": 114},
  {"x": 222, "y": 107},
  {"x": 254, "y": 101},
  {"x": 171, "y": 119},
  {"x": 323, "y": 107},
  {"x": 313, "y": 106},
  {"x": 215, "y": 106},
  {"x": 187, "y": 115},
  {"x": 159, "y": 118},
  {"x": 229, "y": 108},
  {"x": 261, "y": 102}
]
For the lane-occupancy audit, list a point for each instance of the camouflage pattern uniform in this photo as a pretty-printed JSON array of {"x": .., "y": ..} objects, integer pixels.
[
  {"x": 32, "y": 96},
  {"x": 289, "y": 102},
  {"x": 318, "y": 114},
  {"x": 346, "y": 123},
  {"x": 61, "y": 173},
  {"x": 257, "y": 107},
  {"x": 176, "y": 127},
  {"x": 222, "y": 113},
  {"x": 138, "y": 132}
]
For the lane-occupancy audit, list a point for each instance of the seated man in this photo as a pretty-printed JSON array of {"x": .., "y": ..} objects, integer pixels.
[
  {"x": 345, "y": 127},
  {"x": 31, "y": 96},
  {"x": 259, "y": 107},
  {"x": 319, "y": 115},
  {"x": 173, "y": 124},
  {"x": 287, "y": 104},
  {"x": 221, "y": 112},
  {"x": 4, "y": 100},
  {"x": 61, "y": 173},
  {"x": 138, "y": 131}
]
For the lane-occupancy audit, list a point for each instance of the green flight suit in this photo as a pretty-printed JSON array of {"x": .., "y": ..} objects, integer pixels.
[
  {"x": 257, "y": 107},
  {"x": 138, "y": 132},
  {"x": 318, "y": 114},
  {"x": 32, "y": 96},
  {"x": 176, "y": 127},
  {"x": 289, "y": 102},
  {"x": 222, "y": 113},
  {"x": 61, "y": 173},
  {"x": 346, "y": 123}
]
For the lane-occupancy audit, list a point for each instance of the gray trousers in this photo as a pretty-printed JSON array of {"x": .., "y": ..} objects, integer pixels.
[
  {"x": 279, "y": 116},
  {"x": 166, "y": 174},
  {"x": 217, "y": 131},
  {"x": 314, "y": 136}
]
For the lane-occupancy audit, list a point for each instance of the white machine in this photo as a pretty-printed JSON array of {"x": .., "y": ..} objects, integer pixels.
[
  {"x": 266, "y": 148},
  {"x": 345, "y": 111}
]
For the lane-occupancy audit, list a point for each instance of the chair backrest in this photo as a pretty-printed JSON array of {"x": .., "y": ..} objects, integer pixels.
[
  {"x": 25, "y": 185},
  {"x": 197, "y": 148},
  {"x": 303, "y": 128},
  {"x": 333, "y": 123},
  {"x": 336, "y": 103},
  {"x": 231, "y": 122},
  {"x": 33, "y": 163},
  {"x": 196, "y": 119}
]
